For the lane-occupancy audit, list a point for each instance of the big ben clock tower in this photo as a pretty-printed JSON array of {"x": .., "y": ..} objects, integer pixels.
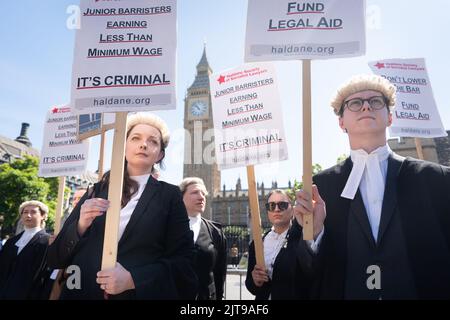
[{"x": 199, "y": 153}]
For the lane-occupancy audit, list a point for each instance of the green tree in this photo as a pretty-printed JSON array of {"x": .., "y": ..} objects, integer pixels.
[
  {"x": 19, "y": 182},
  {"x": 341, "y": 158},
  {"x": 316, "y": 168},
  {"x": 235, "y": 232}
]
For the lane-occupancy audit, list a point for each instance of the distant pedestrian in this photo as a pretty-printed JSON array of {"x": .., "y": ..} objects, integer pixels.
[{"x": 234, "y": 254}]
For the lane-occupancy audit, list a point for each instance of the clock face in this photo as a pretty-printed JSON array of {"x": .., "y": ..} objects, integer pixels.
[{"x": 198, "y": 108}]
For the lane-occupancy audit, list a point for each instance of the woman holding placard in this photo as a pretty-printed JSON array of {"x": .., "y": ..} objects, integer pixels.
[
  {"x": 155, "y": 246},
  {"x": 288, "y": 271}
]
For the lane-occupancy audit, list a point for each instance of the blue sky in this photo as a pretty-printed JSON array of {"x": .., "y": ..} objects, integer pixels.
[{"x": 37, "y": 50}]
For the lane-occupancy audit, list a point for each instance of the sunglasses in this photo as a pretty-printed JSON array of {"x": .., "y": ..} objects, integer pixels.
[{"x": 271, "y": 206}]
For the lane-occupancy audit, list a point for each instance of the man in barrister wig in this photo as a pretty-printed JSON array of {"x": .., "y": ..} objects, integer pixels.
[
  {"x": 381, "y": 221},
  {"x": 210, "y": 242}
]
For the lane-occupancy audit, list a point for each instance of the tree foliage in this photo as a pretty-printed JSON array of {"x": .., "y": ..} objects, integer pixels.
[
  {"x": 19, "y": 182},
  {"x": 235, "y": 232},
  {"x": 316, "y": 168},
  {"x": 341, "y": 158}
]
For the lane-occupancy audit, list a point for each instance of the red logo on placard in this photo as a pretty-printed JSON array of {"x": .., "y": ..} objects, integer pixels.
[
  {"x": 221, "y": 79},
  {"x": 380, "y": 65},
  {"x": 63, "y": 109}
]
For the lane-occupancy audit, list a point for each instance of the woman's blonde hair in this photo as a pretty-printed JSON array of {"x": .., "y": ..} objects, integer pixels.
[
  {"x": 279, "y": 191},
  {"x": 192, "y": 180}
]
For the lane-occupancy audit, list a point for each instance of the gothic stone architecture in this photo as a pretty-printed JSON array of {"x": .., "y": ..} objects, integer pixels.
[
  {"x": 18, "y": 148},
  {"x": 435, "y": 150},
  {"x": 198, "y": 123}
]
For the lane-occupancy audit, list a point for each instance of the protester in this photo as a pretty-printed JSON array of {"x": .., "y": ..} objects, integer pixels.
[
  {"x": 387, "y": 228},
  {"x": 287, "y": 272},
  {"x": 77, "y": 195},
  {"x": 234, "y": 255},
  {"x": 209, "y": 239},
  {"x": 155, "y": 248},
  {"x": 23, "y": 257}
]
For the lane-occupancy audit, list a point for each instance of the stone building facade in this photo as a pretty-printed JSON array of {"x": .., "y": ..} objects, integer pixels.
[
  {"x": 11, "y": 150},
  {"x": 434, "y": 149}
]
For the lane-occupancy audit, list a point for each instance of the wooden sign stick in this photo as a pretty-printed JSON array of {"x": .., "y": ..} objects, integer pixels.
[
  {"x": 102, "y": 155},
  {"x": 110, "y": 241},
  {"x": 56, "y": 288},
  {"x": 419, "y": 148},
  {"x": 255, "y": 217},
  {"x": 59, "y": 205},
  {"x": 308, "y": 233}
]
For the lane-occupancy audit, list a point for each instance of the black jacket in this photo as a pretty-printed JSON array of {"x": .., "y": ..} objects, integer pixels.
[
  {"x": 211, "y": 261},
  {"x": 156, "y": 247},
  {"x": 292, "y": 271},
  {"x": 416, "y": 203},
  {"x": 21, "y": 275}
]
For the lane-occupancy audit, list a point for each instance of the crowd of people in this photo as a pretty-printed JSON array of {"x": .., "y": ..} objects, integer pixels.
[{"x": 381, "y": 226}]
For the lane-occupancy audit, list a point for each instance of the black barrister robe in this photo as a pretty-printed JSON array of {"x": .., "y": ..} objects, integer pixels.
[
  {"x": 413, "y": 246},
  {"x": 210, "y": 261},
  {"x": 291, "y": 278},
  {"x": 156, "y": 247},
  {"x": 20, "y": 274}
]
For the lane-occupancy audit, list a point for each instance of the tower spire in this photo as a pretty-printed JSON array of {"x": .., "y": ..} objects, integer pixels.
[
  {"x": 203, "y": 65},
  {"x": 203, "y": 72}
]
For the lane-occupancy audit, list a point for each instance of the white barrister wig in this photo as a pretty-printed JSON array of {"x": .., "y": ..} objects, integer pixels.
[
  {"x": 361, "y": 83},
  {"x": 43, "y": 207},
  {"x": 151, "y": 120}
]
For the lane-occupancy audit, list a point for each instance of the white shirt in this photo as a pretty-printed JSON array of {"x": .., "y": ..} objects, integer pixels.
[
  {"x": 314, "y": 244},
  {"x": 127, "y": 211},
  {"x": 27, "y": 235},
  {"x": 371, "y": 181},
  {"x": 194, "y": 224},
  {"x": 273, "y": 242},
  {"x": 372, "y": 170}
]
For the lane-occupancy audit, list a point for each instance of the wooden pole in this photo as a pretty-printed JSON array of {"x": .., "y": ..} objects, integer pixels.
[
  {"x": 419, "y": 148},
  {"x": 307, "y": 148},
  {"x": 110, "y": 241},
  {"x": 56, "y": 287},
  {"x": 59, "y": 205},
  {"x": 255, "y": 217},
  {"x": 102, "y": 155}
]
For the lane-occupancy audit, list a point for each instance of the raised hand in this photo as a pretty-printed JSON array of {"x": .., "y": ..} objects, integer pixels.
[
  {"x": 91, "y": 209},
  {"x": 304, "y": 205}
]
